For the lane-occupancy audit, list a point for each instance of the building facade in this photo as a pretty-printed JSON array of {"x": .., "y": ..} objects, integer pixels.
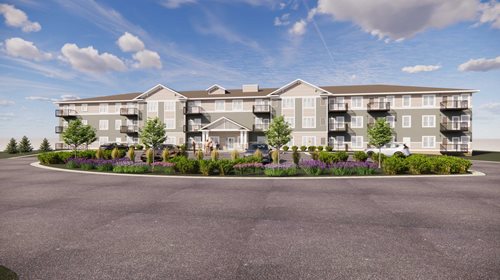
[{"x": 431, "y": 120}]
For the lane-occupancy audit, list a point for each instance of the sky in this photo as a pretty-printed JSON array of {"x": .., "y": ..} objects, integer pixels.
[{"x": 65, "y": 49}]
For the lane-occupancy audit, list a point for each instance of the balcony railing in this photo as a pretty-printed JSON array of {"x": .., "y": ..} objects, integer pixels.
[
  {"x": 59, "y": 129},
  {"x": 262, "y": 108},
  {"x": 260, "y": 126},
  {"x": 378, "y": 106},
  {"x": 337, "y": 107},
  {"x": 129, "y": 129},
  {"x": 336, "y": 126},
  {"x": 454, "y": 126},
  {"x": 454, "y": 148},
  {"x": 129, "y": 111},
  {"x": 193, "y": 110},
  {"x": 192, "y": 127},
  {"x": 66, "y": 113},
  {"x": 454, "y": 105}
]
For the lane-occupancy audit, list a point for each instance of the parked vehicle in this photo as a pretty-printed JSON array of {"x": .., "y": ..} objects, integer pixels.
[
  {"x": 173, "y": 151},
  {"x": 390, "y": 150},
  {"x": 264, "y": 148},
  {"x": 111, "y": 146}
]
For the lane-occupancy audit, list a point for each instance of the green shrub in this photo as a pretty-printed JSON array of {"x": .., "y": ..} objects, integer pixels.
[
  {"x": 280, "y": 170},
  {"x": 342, "y": 156},
  {"x": 72, "y": 164},
  {"x": 183, "y": 150},
  {"x": 108, "y": 154},
  {"x": 86, "y": 166},
  {"x": 285, "y": 148},
  {"x": 139, "y": 147},
  {"x": 105, "y": 167},
  {"x": 303, "y": 148},
  {"x": 311, "y": 148},
  {"x": 449, "y": 165},
  {"x": 224, "y": 166},
  {"x": 394, "y": 165},
  {"x": 114, "y": 153},
  {"x": 275, "y": 156},
  {"x": 134, "y": 169},
  {"x": 326, "y": 157},
  {"x": 165, "y": 154},
  {"x": 49, "y": 158},
  {"x": 329, "y": 148},
  {"x": 315, "y": 155},
  {"x": 185, "y": 166},
  {"x": 199, "y": 154},
  {"x": 214, "y": 155},
  {"x": 235, "y": 154},
  {"x": 258, "y": 155},
  {"x": 294, "y": 148},
  {"x": 419, "y": 164},
  {"x": 62, "y": 157},
  {"x": 374, "y": 157},
  {"x": 360, "y": 156},
  {"x": 131, "y": 154},
  {"x": 320, "y": 148},
  {"x": 296, "y": 157},
  {"x": 149, "y": 156},
  {"x": 207, "y": 167},
  {"x": 99, "y": 154}
]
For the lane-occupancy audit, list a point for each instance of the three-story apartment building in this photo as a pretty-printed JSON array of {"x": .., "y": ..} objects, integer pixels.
[{"x": 427, "y": 119}]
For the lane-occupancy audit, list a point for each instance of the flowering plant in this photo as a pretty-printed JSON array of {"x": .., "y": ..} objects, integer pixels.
[
  {"x": 248, "y": 168},
  {"x": 283, "y": 169},
  {"x": 313, "y": 167},
  {"x": 352, "y": 168}
]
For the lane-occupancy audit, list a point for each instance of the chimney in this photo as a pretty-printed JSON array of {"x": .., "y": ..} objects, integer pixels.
[{"x": 250, "y": 88}]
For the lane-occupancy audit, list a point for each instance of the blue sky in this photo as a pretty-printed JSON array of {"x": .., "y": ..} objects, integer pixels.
[{"x": 57, "y": 49}]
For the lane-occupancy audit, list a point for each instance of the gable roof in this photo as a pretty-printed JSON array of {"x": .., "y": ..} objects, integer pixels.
[
  {"x": 230, "y": 93},
  {"x": 107, "y": 98},
  {"x": 157, "y": 88},
  {"x": 381, "y": 88},
  {"x": 224, "y": 119},
  {"x": 295, "y": 82}
]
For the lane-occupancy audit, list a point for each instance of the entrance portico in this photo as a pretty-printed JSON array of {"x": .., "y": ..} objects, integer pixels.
[{"x": 229, "y": 134}]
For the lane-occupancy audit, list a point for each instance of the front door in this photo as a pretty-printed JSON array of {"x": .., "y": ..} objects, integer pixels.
[{"x": 230, "y": 143}]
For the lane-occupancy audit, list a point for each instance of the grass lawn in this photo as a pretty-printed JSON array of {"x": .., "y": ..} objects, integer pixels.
[
  {"x": 484, "y": 155},
  {"x": 7, "y": 155}
]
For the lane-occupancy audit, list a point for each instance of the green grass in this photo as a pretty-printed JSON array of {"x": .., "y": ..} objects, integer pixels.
[
  {"x": 484, "y": 155},
  {"x": 7, "y": 274},
  {"x": 7, "y": 155}
]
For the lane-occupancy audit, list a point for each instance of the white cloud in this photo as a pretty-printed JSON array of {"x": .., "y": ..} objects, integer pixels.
[
  {"x": 399, "y": 19},
  {"x": 18, "y": 47},
  {"x": 147, "y": 59},
  {"x": 298, "y": 28},
  {"x": 480, "y": 65},
  {"x": 130, "y": 43},
  {"x": 174, "y": 4},
  {"x": 490, "y": 13},
  {"x": 6, "y": 102},
  {"x": 420, "y": 68},
  {"x": 17, "y": 18},
  {"x": 89, "y": 60},
  {"x": 282, "y": 20},
  {"x": 6, "y": 116},
  {"x": 63, "y": 97}
]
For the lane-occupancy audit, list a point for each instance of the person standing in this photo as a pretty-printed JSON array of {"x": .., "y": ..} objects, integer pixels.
[{"x": 194, "y": 147}]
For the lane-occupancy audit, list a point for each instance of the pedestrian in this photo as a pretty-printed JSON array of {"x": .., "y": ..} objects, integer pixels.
[
  {"x": 207, "y": 147},
  {"x": 194, "y": 146}
]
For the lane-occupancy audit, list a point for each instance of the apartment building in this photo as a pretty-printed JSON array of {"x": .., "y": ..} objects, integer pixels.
[{"x": 427, "y": 119}]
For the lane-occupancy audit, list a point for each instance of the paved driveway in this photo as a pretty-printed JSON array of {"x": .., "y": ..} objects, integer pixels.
[{"x": 57, "y": 225}]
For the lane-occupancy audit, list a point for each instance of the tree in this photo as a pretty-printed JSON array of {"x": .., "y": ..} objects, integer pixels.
[
  {"x": 25, "y": 145},
  {"x": 279, "y": 133},
  {"x": 45, "y": 146},
  {"x": 380, "y": 134},
  {"x": 90, "y": 135},
  {"x": 77, "y": 134},
  {"x": 12, "y": 147},
  {"x": 153, "y": 134}
]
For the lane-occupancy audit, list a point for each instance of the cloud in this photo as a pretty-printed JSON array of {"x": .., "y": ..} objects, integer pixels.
[
  {"x": 298, "y": 28},
  {"x": 90, "y": 61},
  {"x": 17, "y": 18},
  {"x": 18, "y": 47},
  {"x": 490, "y": 13},
  {"x": 282, "y": 20},
  {"x": 63, "y": 97},
  {"x": 174, "y": 4},
  {"x": 147, "y": 59},
  {"x": 480, "y": 65},
  {"x": 130, "y": 43},
  {"x": 420, "y": 68},
  {"x": 6, "y": 116},
  {"x": 399, "y": 19},
  {"x": 6, "y": 102}
]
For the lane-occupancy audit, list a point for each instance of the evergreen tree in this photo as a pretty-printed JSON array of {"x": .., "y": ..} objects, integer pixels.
[
  {"x": 379, "y": 135},
  {"x": 279, "y": 133},
  {"x": 45, "y": 146},
  {"x": 25, "y": 145},
  {"x": 12, "y": 147}
]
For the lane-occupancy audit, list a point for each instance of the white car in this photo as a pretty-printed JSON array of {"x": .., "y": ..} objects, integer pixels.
[{"x": 390, "y": 149}]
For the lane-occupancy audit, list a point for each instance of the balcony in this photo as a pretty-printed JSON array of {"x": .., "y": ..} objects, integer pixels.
[
  {"x": 337, "y": 107},
  {"x": 454, "y": 148},
  {"x": 129, "y": 129},
  {"x": 337, "y": 127},
  {"x": 259, "y": 109},
  {"x": 129, "y": 112},
  {"x": 260, "y": 127},
  {"x": 379, "y": 106},
  {"x": 192, "y": 127},
  {"x": 454, "y": 126},
  {"x": 451, "y": 105},
  {"x": 66, "y": 113},
  {"x": 59, "y": 129},
  {"x": 192, "y": 110}
]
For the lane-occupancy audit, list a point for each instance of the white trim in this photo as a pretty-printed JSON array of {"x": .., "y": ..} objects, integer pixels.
[
  {"x": 283, "y": 88},
  {"x": 303, "y": 122},
  {"x": 93, "y": 101},
  {"x": 408, "y": 92},
  {"x": 431, "y": 137},
  {"x": 169, "y": 101},
  {"x": 362, "y": 102},
  {"x": 103, "y": 122},
  {"x": 403, "y": 121},
  {"x": 403, "y": 101},
  {"x": 239, "y": 109},
  {"x": 171, "y": 119},
  {"x": 217, "y": 86},
  {"x": 433, "y": 99},
  {"x": 224, "y": 118},
  {"x": 429, "y": 126},
  {"x": 155, "y": 89},
  {"x": 359, "y": 118},
  {"x": 223, "y": 107}
]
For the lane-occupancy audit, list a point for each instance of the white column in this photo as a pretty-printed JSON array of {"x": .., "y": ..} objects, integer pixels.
[
  {"x": 203, "y": 137},
  {"x": 241, "y": 140},
  {"x": 245, "y": 139}
]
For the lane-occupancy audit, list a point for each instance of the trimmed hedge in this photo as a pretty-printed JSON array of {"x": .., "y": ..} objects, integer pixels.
[{"x": 421, "y": 164}]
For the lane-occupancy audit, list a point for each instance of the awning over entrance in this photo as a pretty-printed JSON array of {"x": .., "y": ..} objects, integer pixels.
[
  {"x": 224, "y": 124},
  {"x": 226, "y": 132}
]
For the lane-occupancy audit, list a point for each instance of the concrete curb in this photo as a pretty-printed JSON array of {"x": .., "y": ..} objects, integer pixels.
[{"x": 473, "y": 173}]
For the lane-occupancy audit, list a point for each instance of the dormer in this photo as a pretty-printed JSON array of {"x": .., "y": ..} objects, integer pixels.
[{"x": 216, "y": 89}]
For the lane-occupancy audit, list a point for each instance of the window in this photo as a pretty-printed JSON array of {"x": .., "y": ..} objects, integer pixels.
[
  {"x": 170, "y": 140},
  {"x": 357, "y": 122},
  {"x": 103, "y": 124},
  {"x": 84, "y": 122},
  {"x": 357, "y": 102},
  {"x": 170, "y": 123},
  {"x": 220, "y": 105},
  {"x": 103, "y": 140},
  {"x": 238, "y": 105},
  {"x": 428, "y": 141},
  {"x": 465, "y": 139},
  {"x": 309, "y": 122},
  {"x": 428, "y": 121},
  {"x": 118, "y": 123},
  {"x": 390, "y": 99},
  {"x": 118, "y": 140},
  {"x": 428, "y": 100},
  {"x": 290, "y": 121},
  {"x": 407, "y": 141},
  {"x": 288, "y": 103},
  {"x": 406, "y": 121},
  {"x": 357, "y": 141},
  {"x": 152, "y": 106},
  {"x": 309, "y": 140},
  {"x": 83, "y": 107},
  {"x": 465, "y": 119},
  {"x": 391, "y": 120},
  {"x": 118, "y": 106},
  {"x": 309, "y": 102},
  {"x": 339, "y": 140},
  {"x": 169, "y": 106},
  {"x": 103, "y": 108},
  {"x": 406, "y": 101}
]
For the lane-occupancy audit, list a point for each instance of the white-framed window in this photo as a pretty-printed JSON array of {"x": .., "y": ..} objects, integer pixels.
[
  {"x": 118, "y": 140},
  {"x": 237, "y": 105},
  {"x": 169, "y": 106},
  {"x": 84, "y": 107},
  {"x": 308, "y": 122},
  {"x": 465, "y": 119},
  {"x": 391, "y": 120},
  {"x": 406, "y": 121},
  {"x": 84, "y": 122},
  {"x": 339, "y": 140},
  {"x": 290, "y": 121},
  {"x": 428, "y": 100},
  {"x": 170, "y": 140},
  {"x": 103, "y": 124},
  {"x": 72, "y": 107},
  {"x": 152, "y": 106},
  {"x": 309, "y": 102},
  {"x": 288, "y": 103},
  {"x": 118, "y": 106},
  {"x": 103, "y": 108},
  {"x": 118, "y": 123},
  {"x": 220, "y": 105},
  {"x": 407, "y": 141},
  {"x": 428, "y": 121},
  {"x": 357, "y": 122},
  {"x": 406, "y": 101},
  {"x": 309, "y": 140},
  {"x": 169, "y": 123},
  {"x": 357, "y": 141},
  {"x": 428, "y": 142},
  {"x": 103, "y": 140},
  {"x": 464, "y": 97},
  {"x": 390, "y": 99},
  {"x": 357, "y": 102},
  {"x": 464, "y": 139}
]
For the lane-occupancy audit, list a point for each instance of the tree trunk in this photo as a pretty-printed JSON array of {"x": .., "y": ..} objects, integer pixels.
[{"x": 379, "y": 157}]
